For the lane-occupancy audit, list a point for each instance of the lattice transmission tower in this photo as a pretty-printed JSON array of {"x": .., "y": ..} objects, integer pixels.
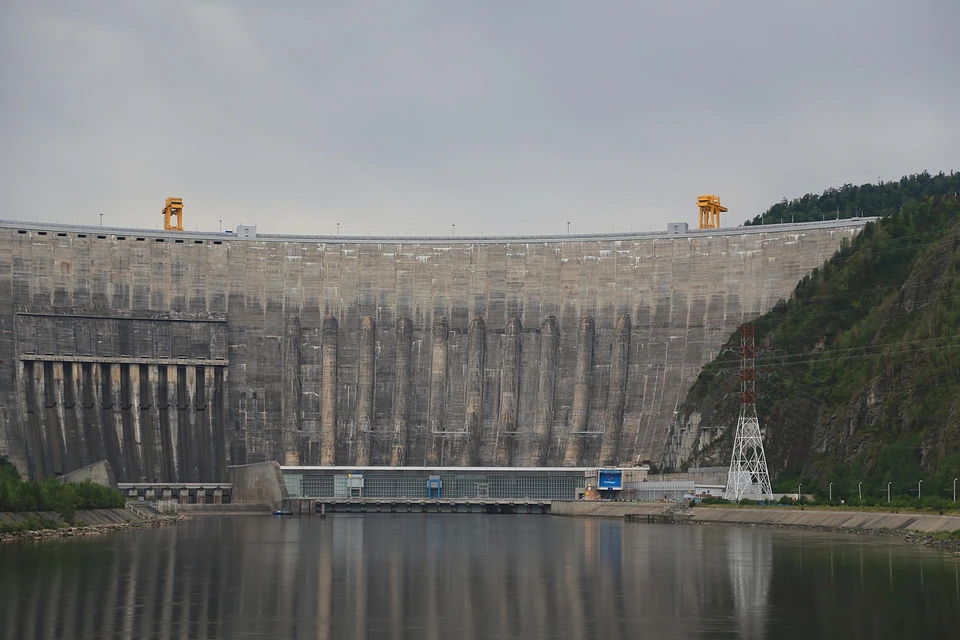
[{"x": 748, "y": 476}]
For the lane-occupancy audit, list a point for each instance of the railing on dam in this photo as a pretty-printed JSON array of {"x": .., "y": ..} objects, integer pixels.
[
  {"x": 445, "y": 483},
  {"x": 217, "y": 237},
  {"x": 173, "y": 355}
]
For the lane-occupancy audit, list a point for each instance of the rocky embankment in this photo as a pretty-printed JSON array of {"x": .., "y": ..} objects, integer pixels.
[
  {"x": 922, "y": 529},
  {"x": 90, "y": 529},
  {"x": 907, "y": 535}
]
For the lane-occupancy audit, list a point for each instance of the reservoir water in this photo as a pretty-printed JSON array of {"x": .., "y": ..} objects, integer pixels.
[{"x": 459, "y": 577}]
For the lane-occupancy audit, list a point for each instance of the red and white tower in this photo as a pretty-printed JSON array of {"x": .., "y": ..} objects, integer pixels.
[{"x": 748, "y": 476}]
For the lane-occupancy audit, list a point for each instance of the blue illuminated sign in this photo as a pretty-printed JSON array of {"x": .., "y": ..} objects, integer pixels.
[{"x": 610, "y": 479}]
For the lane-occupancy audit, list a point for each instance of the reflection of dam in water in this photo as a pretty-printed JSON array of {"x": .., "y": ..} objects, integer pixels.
[{"x": 465, "y": 577}]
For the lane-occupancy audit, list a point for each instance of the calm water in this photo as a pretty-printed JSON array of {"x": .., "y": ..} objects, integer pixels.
[{"x": 474, "y": 576}]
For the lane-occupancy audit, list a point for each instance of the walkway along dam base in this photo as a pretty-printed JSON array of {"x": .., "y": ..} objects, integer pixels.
[{"x": 175, "y": 354}]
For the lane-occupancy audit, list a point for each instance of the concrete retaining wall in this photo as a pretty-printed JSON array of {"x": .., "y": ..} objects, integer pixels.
[
  {"x": 87, "y": 516},
  {"x": 258, "y": 484},
  {"x": 222, "y": 509},
  {"x": 98, "y": 473},
  {"x": 604, "y": 509},
  {"x": 832, "y": 519},
  {"x": 772, "y": 516},
  {"x": 174, "y": 355}
]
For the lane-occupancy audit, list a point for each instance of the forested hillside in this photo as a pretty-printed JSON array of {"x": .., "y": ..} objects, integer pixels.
[
  {"x": 860, "y": 372},
  {"x": 865, "y": 200}
]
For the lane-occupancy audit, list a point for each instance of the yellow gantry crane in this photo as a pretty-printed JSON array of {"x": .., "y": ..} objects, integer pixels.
[
  {"x": 710, "y": 210},
  {"x": 174, "y": 209}
]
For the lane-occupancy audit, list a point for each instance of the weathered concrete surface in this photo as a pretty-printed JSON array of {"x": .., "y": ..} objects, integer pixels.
[
  {"x": 173, "y": 355},
  {"x": 96, "y": 522},
  {"x": 86, "y": 516},
  {"x": 715, "y": 476},
  {"x": 769, "y": 517},
  {"x": 828, "y": 519},
  {"x": 98, "y": 473},
  {"x": 257, "y": 484},
  {"x": 604, "y": 508},
  {"x": 224, "y": 509}
]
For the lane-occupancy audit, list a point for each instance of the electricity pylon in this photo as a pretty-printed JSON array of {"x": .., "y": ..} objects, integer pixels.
[{"x": 748, "y": 476}]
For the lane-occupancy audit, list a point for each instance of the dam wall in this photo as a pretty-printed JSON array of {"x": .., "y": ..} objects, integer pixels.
[{"x": 173, "y": 355}]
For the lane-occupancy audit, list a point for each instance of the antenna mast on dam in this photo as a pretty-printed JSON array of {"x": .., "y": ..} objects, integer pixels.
[{"x": 748, "y": 473}]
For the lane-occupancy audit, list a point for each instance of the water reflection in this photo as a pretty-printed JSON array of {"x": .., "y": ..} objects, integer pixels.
[
  {"x": 464, "y": 577},
  {"x": 750, "y": 556}
]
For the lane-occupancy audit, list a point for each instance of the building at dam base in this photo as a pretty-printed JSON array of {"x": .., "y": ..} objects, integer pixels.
[
  {"x": 436, "y": 483},
  {"x": 175, "y": 354}
]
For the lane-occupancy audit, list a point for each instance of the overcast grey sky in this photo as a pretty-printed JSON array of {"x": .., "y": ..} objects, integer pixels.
[{"x": 499, "y": 117}]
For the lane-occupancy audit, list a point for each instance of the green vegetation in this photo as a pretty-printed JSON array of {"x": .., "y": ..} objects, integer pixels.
[
  {"x": 52, "y": 495},
  {"x": 931, "y": 504},
  {"x": 939, "y": 506},
  {"x": 947, "y": 535},
  {"x": 865, "y": 200},
  {"x": 30, "y": 524},
  {"x": 860, "y": 369}
]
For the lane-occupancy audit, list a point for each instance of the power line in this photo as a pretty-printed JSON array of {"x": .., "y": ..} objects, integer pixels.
[
  {"x": 846, "y": 294},
  {"x": 825, "y": 355},
  {"x": 828, "y": 356},
  {"x": 827, "y": 359},
  {"x": 864, "y": 311},
  {"x": 847, "y": 353}
]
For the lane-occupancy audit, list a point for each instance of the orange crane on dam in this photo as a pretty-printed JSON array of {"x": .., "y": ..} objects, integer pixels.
[
  {"x": 173, "y": 209},
  {"x": 710, "y": 210}
]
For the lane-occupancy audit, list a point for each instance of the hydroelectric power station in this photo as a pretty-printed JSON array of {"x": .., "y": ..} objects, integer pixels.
[{"x": 174, "y": 354}]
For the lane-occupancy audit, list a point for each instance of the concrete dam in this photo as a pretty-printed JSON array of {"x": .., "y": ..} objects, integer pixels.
[{"x": 175, "y": 354}]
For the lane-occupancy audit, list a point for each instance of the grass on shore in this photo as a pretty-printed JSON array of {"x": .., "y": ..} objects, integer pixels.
[
  {"x": 31, "y": 524},
  {"x": 945, "y": 535},
  {"x": 828, "y": 507}
]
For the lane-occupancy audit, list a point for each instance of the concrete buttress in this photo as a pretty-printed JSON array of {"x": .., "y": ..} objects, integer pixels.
[{"x": 173, "y": 355}]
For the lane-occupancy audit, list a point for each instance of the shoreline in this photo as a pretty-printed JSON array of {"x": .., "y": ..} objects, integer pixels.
[
  {"x": 89, "y": 530},
  {"x": 918, "y": 529},
  {"x": 907, "y": 535}
]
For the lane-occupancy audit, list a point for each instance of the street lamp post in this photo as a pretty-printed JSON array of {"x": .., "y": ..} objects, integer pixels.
[{"x": 888, "y": 492}]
